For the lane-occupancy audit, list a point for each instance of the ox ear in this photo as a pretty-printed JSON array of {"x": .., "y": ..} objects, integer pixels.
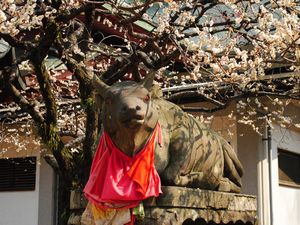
[
  {"x": 147, "y": 82},
  {"x": 100, "y": 87}
]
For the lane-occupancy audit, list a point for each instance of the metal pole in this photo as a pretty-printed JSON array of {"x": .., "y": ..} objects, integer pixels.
[{"x": 269, "y": 146}]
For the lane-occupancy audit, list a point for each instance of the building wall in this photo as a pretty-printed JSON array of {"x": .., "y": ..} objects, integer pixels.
[
  {"x": 47, "y": 202},
  {"x": 19, "y": 207},
  {"x": 26, "y": 207},
  {"x": 248, "y": 145},
  {"x": 286, "y": 199},
  {"x": 288, "y": 206},
  {"x": 227, "y": 128}
]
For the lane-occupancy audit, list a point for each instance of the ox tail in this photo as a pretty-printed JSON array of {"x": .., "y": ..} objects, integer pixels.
[{"x": 233, "y": 168}]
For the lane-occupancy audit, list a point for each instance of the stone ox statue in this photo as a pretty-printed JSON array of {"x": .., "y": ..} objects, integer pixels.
[{"x": 191, "y": 154}]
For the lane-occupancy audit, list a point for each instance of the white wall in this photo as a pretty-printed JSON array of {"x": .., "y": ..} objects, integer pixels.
[
  {"x": 27, "y": 207},
  {"x": 288, "y": 207},
  {"x": 47, "y": 203},
  {"x": 20, "y": 207},
  {"x": 286, "y": 200},
  {"x": 31, "y": 207}
]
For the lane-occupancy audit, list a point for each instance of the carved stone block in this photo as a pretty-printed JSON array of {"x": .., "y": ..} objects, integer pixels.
[{"x": 179, "y": 204}]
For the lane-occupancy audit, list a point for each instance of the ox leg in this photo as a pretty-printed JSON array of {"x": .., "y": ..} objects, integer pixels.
[
  {"x": 191, "y": 179},
  {"x": 189, "y": 165},
  {"x": 175, "y": 174},
  {"x": 226, "y": 185}
]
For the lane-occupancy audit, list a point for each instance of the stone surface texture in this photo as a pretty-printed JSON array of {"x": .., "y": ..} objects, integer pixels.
[{"x": 178, "y": 204}]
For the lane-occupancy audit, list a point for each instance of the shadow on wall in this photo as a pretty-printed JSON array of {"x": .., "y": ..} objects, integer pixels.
[{"x": 200, "y": 221}]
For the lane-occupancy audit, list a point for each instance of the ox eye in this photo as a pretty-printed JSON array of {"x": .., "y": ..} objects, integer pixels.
[{"x": 146, "y": 98}]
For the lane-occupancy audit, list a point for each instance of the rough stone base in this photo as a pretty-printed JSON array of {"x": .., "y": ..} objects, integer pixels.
[{"x": 179, "y": 205}]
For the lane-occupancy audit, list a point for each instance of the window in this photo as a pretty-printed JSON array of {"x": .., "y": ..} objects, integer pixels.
[
  {"x": 17, "y": 174},
  {"x": 289, "y": 168}
]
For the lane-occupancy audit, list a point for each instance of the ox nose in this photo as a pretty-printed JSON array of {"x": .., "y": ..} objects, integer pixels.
[{"x": 126, "y": 108}]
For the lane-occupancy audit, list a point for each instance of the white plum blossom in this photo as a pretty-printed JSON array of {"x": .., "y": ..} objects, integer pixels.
[{"x": 229, "y": 42}]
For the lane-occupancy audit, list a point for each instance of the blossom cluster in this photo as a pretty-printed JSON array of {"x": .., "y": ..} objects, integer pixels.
[
  {"x": 15, "y": 18},
  {"x": 236, "y": 44}
]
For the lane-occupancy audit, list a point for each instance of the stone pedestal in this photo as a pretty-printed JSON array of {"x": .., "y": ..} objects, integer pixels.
[
  {"x": 77, "y": 205},
  {"x": 179, "y": 205}
]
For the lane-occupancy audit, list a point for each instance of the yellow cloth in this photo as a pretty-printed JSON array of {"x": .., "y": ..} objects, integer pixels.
[{"x": 94, "y": 215}]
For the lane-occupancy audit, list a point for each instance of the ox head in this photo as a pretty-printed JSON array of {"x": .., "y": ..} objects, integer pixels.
[{"x": 127, "y": 106}]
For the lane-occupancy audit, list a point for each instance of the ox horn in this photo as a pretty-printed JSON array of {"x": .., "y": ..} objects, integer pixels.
[
  {"x": 100, "y": 86},
  {"x": 147, "y": 82}
]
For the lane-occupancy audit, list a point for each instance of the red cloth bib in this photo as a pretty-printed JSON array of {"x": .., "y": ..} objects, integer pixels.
[{"x": 119, "y": 181}]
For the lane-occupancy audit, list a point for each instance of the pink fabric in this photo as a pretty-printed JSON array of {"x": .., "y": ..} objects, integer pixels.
[{"x": 119, "y": 181}]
